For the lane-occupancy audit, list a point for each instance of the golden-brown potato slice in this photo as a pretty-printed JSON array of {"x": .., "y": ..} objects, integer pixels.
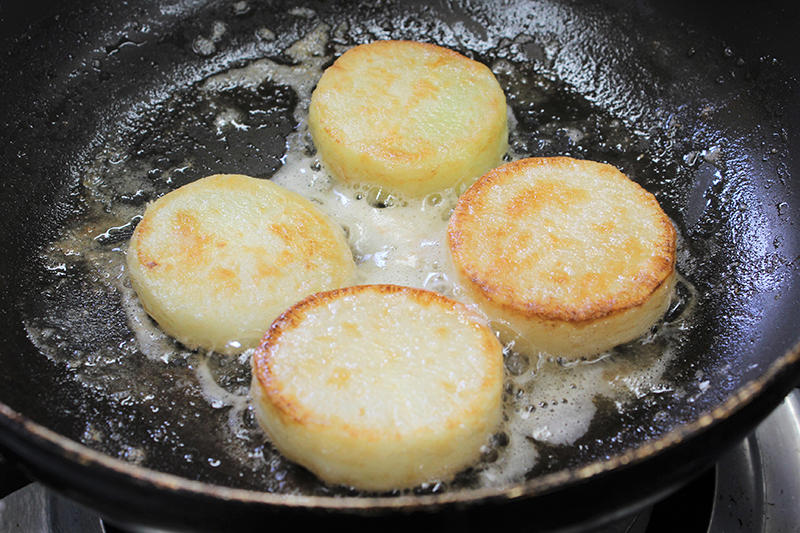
[
  {"x": 215, "y": 261},
  {"x": 571, "y": 255},
  {"x": 379, "y": 386},
  {"x": 409, "y": 117}
]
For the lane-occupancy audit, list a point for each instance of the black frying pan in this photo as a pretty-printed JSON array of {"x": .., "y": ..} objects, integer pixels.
[{"x": 702, "y": 111}]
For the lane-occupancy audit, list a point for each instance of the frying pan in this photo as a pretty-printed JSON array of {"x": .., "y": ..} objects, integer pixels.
[{"x": 102, "y": 111}]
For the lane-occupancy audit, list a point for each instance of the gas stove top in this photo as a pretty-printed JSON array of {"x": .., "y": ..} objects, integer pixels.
[{"x": 755, "y": 487}]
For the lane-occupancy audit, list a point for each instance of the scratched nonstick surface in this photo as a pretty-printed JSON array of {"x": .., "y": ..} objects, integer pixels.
[{"x": 107, "y": 107}]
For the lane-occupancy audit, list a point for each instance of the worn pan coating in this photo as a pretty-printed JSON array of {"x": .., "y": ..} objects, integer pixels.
[{"x": 709, "y": 103}]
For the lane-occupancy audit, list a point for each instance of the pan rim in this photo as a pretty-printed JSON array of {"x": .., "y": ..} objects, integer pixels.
[{"x": 76, "y": 452}]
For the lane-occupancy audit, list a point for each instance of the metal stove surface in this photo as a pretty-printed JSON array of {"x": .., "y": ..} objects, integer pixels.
[{"x": 755, "y": 487}]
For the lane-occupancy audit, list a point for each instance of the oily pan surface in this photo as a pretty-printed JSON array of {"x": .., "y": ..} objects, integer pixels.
[{"x": 129, "y": 113}]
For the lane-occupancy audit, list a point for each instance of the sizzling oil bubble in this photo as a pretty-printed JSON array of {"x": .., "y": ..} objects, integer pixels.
[
  {"x": 394, "y": 239},
  {"x": 203, "y": 46}
]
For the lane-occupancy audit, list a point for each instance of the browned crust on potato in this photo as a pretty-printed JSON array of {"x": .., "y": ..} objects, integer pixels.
[
  {"x": 652, "y": 275},
  {"x": 184, "y": 252},
  {"x": 290, "y": 410},
  {"x": 190, "y": 247},
  {"x": 386, "y": 148},
  {"x": 445, "y": 55}
]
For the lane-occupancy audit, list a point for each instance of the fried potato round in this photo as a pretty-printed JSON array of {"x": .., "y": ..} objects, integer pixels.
[
  {"x": 379, "y": 386},
  {"x": 215, "y": 261},
  {"x": 409, "y": 117},
  {"x": 570, "y": 255}
]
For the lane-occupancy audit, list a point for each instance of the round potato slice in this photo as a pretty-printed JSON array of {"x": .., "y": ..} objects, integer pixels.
[
  {"x": 379, "y": 386},
  {"x": 215, "y": 261},
  {"x": 409, "y": 117},
  {"x": 567, "y": 257}
]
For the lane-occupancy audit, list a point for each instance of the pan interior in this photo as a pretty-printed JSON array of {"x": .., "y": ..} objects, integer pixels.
[{"x": 165, "y": 96}]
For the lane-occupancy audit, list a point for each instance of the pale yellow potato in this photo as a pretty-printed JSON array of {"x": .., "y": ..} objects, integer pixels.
[
  {"x": 408, "y": 117},
  {"x": 570, "y": 255},
  {"x": 379, "y": 386},
  {"x": 216, "y": 261}
]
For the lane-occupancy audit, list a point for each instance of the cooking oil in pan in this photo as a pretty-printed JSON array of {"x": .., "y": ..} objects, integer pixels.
[{"x": 549, "y": 403}]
